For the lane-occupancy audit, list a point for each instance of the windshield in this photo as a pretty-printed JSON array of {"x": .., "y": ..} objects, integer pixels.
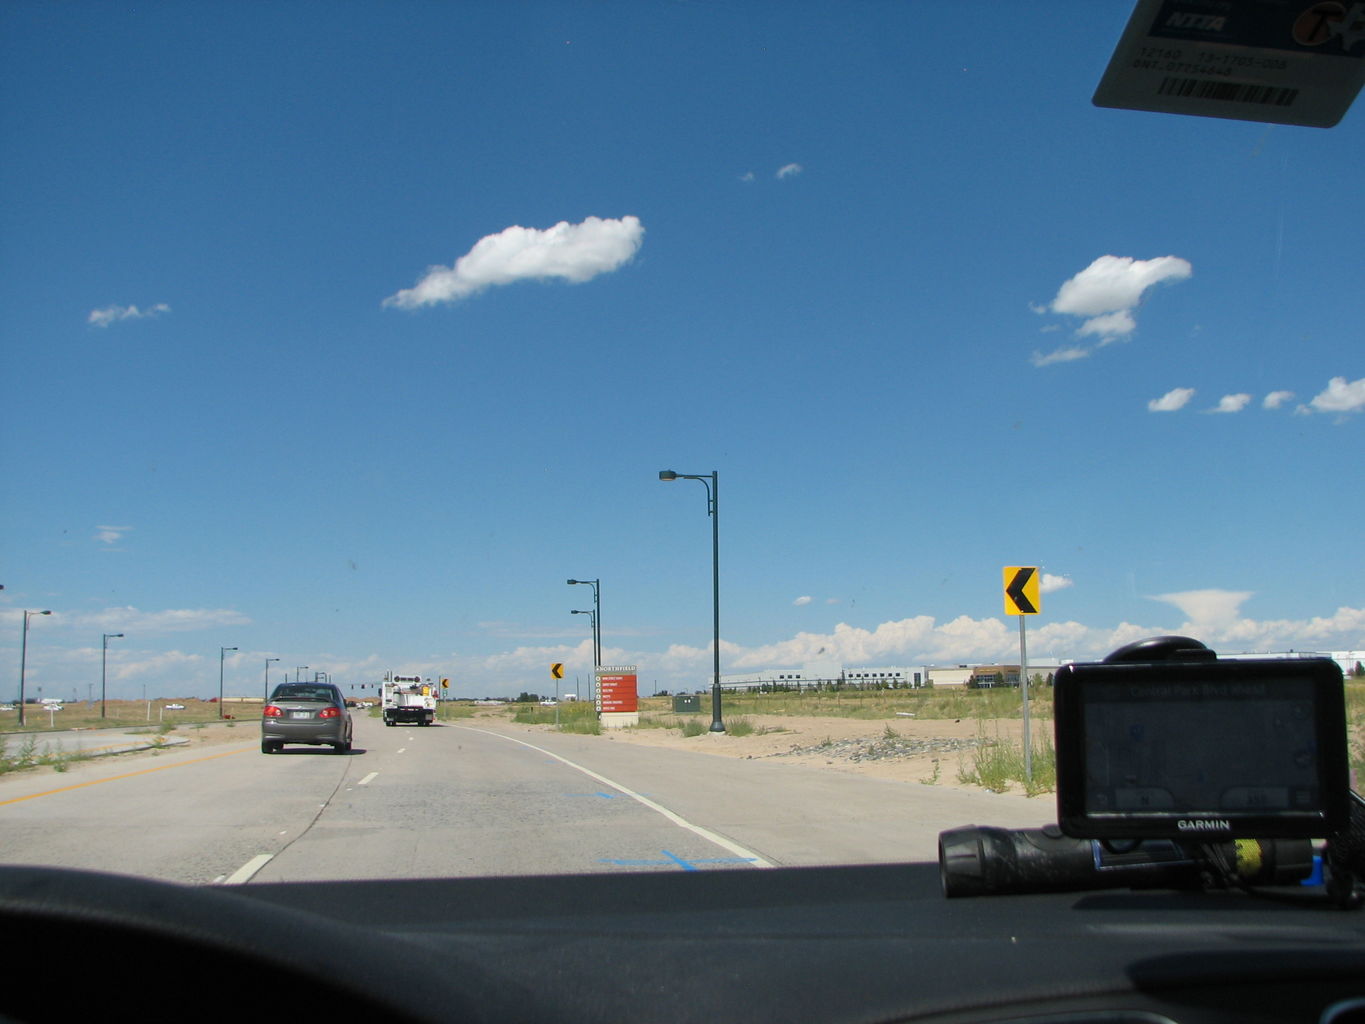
[{"x": 403, "y": 349}]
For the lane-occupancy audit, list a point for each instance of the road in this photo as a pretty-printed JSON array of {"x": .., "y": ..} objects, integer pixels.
[{"x": 468, "y": 800}]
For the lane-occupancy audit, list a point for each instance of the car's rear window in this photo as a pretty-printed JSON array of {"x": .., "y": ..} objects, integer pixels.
[{"x": 303, "y": 693}]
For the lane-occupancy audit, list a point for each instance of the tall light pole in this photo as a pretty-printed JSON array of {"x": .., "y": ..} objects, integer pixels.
[
  {"x": 23, "y": 659},
  {"x": 267, "y": 676},
  {"x": 104, "y": 666},
  {"x": 592, "y": 622},
  {"x": 596, "y": 625},
  {"x": 222, "y": 652},
  {"x": 711, "y": 481}
]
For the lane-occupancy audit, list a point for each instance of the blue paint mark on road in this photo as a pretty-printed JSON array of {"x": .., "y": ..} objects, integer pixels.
[{"x": 673, "y": 860}]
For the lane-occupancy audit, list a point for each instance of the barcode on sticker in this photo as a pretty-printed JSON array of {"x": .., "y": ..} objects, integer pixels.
[{"x": 1231, "y": 92}]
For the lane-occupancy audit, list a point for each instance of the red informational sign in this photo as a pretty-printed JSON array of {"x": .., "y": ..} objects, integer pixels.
[{"x": 616, "y": 688}]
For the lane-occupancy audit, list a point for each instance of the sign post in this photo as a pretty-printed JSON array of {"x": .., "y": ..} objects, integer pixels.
[{"x": 1023, "y": 598}]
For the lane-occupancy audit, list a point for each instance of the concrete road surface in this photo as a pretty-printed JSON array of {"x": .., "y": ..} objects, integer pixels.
[{"x": 456, "y": 800}]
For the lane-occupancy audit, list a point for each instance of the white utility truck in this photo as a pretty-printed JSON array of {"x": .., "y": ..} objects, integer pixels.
[{"x": 407, "y": 699}]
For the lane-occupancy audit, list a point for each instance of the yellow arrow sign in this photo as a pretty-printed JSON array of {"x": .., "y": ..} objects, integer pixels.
[
  {"x": 557, "y": 670},
  {"x": 1022, "y": 594}
]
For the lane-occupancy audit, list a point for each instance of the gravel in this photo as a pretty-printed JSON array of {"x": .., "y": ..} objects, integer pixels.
[{"x": 882, "y": 748}]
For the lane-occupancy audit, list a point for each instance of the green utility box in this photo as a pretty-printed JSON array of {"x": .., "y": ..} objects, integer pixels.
[{"x": 686, "y": 702}]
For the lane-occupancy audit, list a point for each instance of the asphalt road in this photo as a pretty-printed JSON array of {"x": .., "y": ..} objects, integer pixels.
[{"x": 468, "y": 800}]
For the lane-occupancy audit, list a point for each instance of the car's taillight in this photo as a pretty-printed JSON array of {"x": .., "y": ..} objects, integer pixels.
[
  {"x": 330, "y": 713},
  {"x": 271, "y": 711}
]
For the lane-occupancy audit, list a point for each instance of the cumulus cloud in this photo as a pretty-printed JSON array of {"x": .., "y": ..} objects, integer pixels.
[
  {"x": 1207, "y": 610},
  {"x": 110, "y": 535},
  {"x": 112, "y": 314},
  {"x": 1176, "y": 398},
  {"x": 1341, "y": 396},
  {"x": 1104, "y": 295},
  {"x": 801, "y": 602},
  {"x": 1232, "y": 403},
  {"x": 1276, "y": 399},
  {"x": 789, "y": 171},
  {"x": 570, "y": 252},
  {"x": 1050, "y": 584}
]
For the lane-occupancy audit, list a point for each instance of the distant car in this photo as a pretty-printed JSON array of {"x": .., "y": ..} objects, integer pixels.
[
  {"x": 548, "y": 703},
  {"x": 175, "y": 707},
  {"x": 311, "y": 713},
  {"x": 6, "y": 707}
]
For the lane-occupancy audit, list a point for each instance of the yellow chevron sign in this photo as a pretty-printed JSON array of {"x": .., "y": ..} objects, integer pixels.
[{"x": 1022, "y": 594}]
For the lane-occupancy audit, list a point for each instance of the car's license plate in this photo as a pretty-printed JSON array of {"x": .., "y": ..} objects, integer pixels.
[{"x": 300, "y": 714}]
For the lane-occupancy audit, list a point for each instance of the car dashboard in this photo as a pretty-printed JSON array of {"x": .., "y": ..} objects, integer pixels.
[{"x": 866, "y": 943}]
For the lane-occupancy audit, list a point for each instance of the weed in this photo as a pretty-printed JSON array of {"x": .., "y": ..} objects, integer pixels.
[
  {"x": 692, "y": 727},
  {"x": 933, "y": 778},
  {"x": 739, "y": 727},
  {"x": 996, "y": 763}
]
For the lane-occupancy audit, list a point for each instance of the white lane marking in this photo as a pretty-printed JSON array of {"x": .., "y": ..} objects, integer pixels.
[
  {"x": 247, "y": 870},
  {"x": 402, "y": 750},
  {"x": 681, "y": 822},
  {"x": 367, "y": 778}
]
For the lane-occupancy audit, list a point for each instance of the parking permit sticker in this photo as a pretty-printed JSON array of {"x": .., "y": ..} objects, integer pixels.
[{"x": 1280, "y": 61}]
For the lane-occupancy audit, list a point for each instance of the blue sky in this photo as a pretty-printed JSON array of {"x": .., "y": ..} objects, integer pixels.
[{"x": 345, "y": 333}]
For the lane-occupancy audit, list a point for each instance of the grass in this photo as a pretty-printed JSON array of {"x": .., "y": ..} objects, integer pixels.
[
  {"x": 124, "y": 713},
  {"x": 27, "y": 756},
  {"x": 580, "y": 717},
  {"x": 997, "y": 764}
]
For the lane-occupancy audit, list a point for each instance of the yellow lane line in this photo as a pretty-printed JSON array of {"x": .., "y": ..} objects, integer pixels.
[{"x": 115, "y": 778}]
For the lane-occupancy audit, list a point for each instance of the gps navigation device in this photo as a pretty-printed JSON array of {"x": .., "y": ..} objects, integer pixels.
[{"x": 1201, "y": 749}]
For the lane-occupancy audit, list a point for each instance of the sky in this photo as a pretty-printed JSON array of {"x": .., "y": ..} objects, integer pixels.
[{"x": 344, "y": 334}]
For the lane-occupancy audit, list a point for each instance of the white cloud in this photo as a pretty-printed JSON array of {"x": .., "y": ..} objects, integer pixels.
[
  {"x": 789, "y": 171},
  {"x": 1232, "y": 403},
  {"x": 569, "y": 252},
  {"x": 1061, "y": 355},
  {"x": 1109, "y": 326},
  {"x": 1208, "y": 610},
  {"x": 1113, "y": 283},
  {"x": 110, "y": 534},
  {"x": 1341, "y": 396},
  {"x": 1106, "y": 292},
  {"x": 1176, "y": 398},
  {"x": 171, "y": 620},
  {"x": 747, "y": 176},
  {"x": 1276, "y": 399},
  {"x": 801, "y": 602},
  {"x": 1050, "y": 584},
  {"x": 112, "y": 314}
]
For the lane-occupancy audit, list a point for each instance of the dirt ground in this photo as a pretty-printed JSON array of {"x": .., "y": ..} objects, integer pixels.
[{"x": 903, "y": 749}]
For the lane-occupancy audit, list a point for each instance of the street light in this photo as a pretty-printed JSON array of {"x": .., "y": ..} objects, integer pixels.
[
  {"x": 596, "y": 624},
  {"x": 23, "y": 659},
  {"x": 711, "y": 481},
  {"x": 222, "y": 651},
  {"x": 592, "y": 622},
  {"x": 267, "y": 676},
  {"x": 104, "y": 665}
]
